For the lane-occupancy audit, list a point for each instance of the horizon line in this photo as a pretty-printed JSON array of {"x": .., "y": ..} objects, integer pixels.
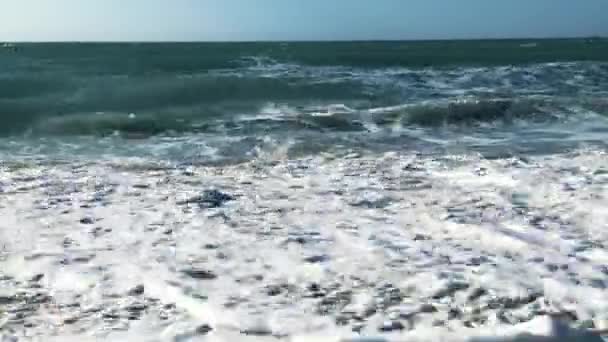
[{"x": 93, "y": 41}]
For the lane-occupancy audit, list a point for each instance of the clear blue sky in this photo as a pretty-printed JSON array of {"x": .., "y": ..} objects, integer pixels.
[{"x": 164, "y": 20}]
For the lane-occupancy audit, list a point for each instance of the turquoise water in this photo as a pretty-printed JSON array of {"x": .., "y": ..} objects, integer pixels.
[{"x": 206, "y": 102}]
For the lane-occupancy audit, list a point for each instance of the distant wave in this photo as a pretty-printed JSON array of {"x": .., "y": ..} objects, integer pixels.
[{"x": 529, "y": 45}]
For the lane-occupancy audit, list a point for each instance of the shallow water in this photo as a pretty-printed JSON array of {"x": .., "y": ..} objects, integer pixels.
[{"x": 393, "y": 244}]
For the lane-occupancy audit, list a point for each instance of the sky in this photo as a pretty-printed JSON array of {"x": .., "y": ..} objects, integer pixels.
[{"x": 244, "y": 20}]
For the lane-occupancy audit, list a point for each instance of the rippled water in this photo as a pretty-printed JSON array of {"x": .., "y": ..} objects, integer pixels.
[{"x": 209, "y": 103}]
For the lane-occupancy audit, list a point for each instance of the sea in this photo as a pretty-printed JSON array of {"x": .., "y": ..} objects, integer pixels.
[
  {"x": 228, "y": 102},
  {"x": 304, "y": 191}
]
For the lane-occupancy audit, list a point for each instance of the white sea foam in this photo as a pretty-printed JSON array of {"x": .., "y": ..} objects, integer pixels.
[{"x": 480, "y": 244}]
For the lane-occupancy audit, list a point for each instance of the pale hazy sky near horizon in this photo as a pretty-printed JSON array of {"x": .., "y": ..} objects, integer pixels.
[{"x": 202, "y": 20}]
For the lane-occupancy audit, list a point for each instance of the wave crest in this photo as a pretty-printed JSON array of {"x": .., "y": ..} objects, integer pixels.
[{"x": 330, "y": 118}]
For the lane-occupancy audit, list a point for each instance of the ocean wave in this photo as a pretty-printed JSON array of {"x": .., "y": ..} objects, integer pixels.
[
  {"x": 194, "y": 57},
  {"x": 471, "y": 111},
  {"x": 262, "y": 79},
  {"x": 35, "y": 101},
  {"x": 103, "y": 123},
  {"x": 283, "y": 118},
  {"x": 64, "y": 94}
]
